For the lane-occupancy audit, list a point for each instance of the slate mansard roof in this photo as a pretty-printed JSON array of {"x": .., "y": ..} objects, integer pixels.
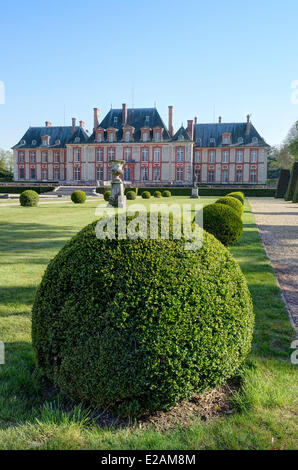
[
  {"x": 136, "y": 118},
  {"x": 210, "y": 135},
  {"x": 59, "y": 137}
]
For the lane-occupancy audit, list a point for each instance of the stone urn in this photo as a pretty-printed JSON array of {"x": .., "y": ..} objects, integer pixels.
[{"x": 117, "y": 198}]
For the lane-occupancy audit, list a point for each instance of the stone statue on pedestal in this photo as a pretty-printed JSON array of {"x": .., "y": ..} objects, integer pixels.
[{"x": 117, "y": 198}]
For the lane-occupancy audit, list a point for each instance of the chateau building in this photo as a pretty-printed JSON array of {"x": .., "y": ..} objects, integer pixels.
[{"x": 222, "y": 153}]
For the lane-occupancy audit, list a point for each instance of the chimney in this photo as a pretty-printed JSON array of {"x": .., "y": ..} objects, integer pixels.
[
  {"x": 219, "y": 119},
  {"x": 96, "y": 118},
  {"x": 248, "y": 124},
  {"x": 73, "y": 125},
  {"x": 82, "y": 124},
  {"x": 190, "y": 128},
  {"x": 48, "y": 124},
  {"x": 171, "y": 128},
  {"x": 124, "y": 113},
  {"x": 196, "y": 120}
]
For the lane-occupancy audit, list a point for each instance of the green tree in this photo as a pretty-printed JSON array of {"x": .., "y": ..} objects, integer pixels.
[
  {"x": 6, "y": 160},
  {"x": 293, "y": 143}
]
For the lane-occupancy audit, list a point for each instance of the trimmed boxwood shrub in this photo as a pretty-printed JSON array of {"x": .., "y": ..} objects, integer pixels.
[
  {"x": 131, "y": 195},
  {"x": 283, "y": 181},
  {"x": 292, "y": 182},
  {"x": 157, "y": 194},
  {"x": 166, "y": 193},
  {"x": 233, "y": 203},
  {"x": 29, "y": 198},
  {"x": 107, "y": 195},
  {"x": 223, "y": 222},
  {"x": 237, "y": 195},
  {"x": 137, "y": 325},
  {"x": 78, "y": 196},
  {"x": 146, "y": 195}
]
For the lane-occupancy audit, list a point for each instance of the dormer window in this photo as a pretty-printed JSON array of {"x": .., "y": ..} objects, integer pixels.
[
  {"x": 157, "y": 134},
  {"x": 127, "y": 136},
  {"x": 115, "y": 120},
  {"x": 23, "y": 142},
  {"x": 111, "y": 137},
  {"x": 240, "y": 140},
  {"x": 145, "y": 136},
  {"x": 77, "y": 140},
  {"x": 100, "y": 135},
  {"x": 58, "y": 142},
  {"x": 254, "y": 140},
  {"x": 34, "y": 142},
  {"x": 199, "y": 141},
  {"x": 45, "y": 140},
  {"x": 147, "y": 119},
  {"x": 212, "y": 141},
  {"x": 226, "y": 138},
  {"x": 181, "y": 137}
]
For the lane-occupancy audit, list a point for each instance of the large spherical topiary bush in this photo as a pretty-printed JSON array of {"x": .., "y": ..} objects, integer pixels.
[
  {"x": 223, "y": 222},
  {"x": 78, "y": 196},
  {"x": 157, "y": 194},
  {"x": 137, "y": 325},
  {"x": 237, "y": 195},
  {"x": 146, "y": 195},
  {"x": 233, "y": 203},
  {"x": 29, "y": 198},
  {"x": 166, "y": 193},
  {"x": 107, "y": 195},
  {"x": 131, "y": 195}
]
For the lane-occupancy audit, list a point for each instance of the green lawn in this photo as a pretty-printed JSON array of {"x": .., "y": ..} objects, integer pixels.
[{"x": 265, "y": 414}]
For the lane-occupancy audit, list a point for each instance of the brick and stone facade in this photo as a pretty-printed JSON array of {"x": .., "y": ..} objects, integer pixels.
[{"x": 223, "y": 153}]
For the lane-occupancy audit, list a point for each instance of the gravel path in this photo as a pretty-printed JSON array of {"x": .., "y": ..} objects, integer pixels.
[{"x": 277, "y": 221}]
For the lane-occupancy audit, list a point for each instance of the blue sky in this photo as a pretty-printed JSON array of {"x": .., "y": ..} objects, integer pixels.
[{"x": 228, "y": 58}]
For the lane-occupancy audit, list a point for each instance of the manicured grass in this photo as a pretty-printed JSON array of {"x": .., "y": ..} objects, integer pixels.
[{"x": 265, "y": 415}]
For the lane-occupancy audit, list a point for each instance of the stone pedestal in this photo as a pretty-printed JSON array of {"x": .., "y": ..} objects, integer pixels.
[
  {"x": 117, "y": 188},
  {"x": 195, "y": 193}
]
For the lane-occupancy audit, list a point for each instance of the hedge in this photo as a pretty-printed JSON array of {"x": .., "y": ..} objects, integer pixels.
[
  {"x": 103, "y": 189},
  {"x": 295, "y": 197},
  {"x": 292, "y": 182},
  {"x": 203, "y": 191},
  {"x": 237, "y": 195},
  {"x": 138, "y": 325},
  {"x": 223, "y": 222},
  {"x": 20, "y": 189},
  {"x": 282, "y": 184},
  {"x": 131, "y": 195},
  {"x": 107, "y": 195}
]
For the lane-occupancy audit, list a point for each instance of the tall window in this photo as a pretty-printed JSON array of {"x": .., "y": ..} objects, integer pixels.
[
  {"x": 145, "y": 136},
  {"x": 198, "y": 176},
  {"x": 32, "y": 157},
  {"x": 21, "y": 157},
  {"x": 111, "y": 154},
  {"x": 225, "y": 176},
  {"x": 127, "y": 154},
  {"x": 239, "y": 158},
  {"x": 157, "y": 136},
  {"x": 239, "y": 176},
  {"x": 179, "y": 174},
  {"x": 44, "y": 174},
  {"x": 32, "y": 174},
  {"x": 225, "y": 156},
  {"x": 211, "y": 176},
  {"x": 44, "y": 157},
  {"x": 22, "y": 173},
  {"x": 99, "y": 155},
  {"x": 126, "y": 174},
  {"x": 156, "y": 174},
  {"x": 56, "y": 157},
  {"x": 144, "y": 174},
  {"x": 211, "y": 156},
  {"x": 77, "y": 174},
  {"x": 56, "y": 175},
  {"x": 156, "y": 155},
  {"x": 254, "y": 156},
  {"x": 180, "y": 154},
  {"x": 198, "y": 156},
  {"x": 253, "y": 176},
  {"x": 145, "y": 155},
  {"x": 77, "y": 155},
  {"x": 111, "y": 137},
  {"x": 99, "y": 174},
  {"x": 127, "y": 136},
  {"x": 99, "y": 137}
]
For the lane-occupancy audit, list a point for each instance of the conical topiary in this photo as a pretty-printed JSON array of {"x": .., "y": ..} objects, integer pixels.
[
  {"x": 292, "y": 183},
  {"x": 282, "y": 184}
]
